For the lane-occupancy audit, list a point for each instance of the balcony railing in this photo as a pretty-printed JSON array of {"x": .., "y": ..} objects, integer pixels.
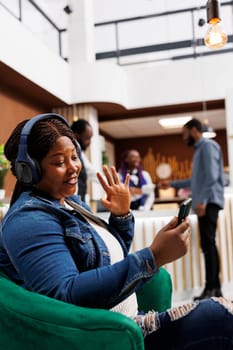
[
  {"x": 32, "y": 16},
  {"x": 171, "y": 35},
  {"x": 162, "y": 36}
]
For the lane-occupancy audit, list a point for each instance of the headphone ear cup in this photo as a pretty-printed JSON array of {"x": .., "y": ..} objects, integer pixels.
[
  {"x": 36, "y": 172},
  {"x": 28, "y": 173}
]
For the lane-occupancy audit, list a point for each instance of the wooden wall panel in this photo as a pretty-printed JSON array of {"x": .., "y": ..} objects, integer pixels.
[
  {"x": 15, "y": 107},
  {"x": 169, "y": 148}
]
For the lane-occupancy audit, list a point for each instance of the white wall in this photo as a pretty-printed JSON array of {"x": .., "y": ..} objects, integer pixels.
[
  {"x": 106, "y": 10},
  {"x": 229, "y": 130},
  {"x": 181, "y": 81},
  {"x": 100, "y": 82},
  {"x": 155, "y": 85},
  {"x": 133, "y": 87},
  {"x": 27, "y": 55}
]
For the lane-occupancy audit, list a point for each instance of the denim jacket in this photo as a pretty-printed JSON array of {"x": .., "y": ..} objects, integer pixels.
[{"x": 45, "y": 248}]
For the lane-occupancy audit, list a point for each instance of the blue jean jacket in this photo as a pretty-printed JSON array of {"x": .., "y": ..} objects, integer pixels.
[{"x": 47, "y": 249}]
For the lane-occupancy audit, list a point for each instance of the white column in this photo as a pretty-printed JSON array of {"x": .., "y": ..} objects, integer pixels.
[
  {"x": 94, "y": 151},
  {"x": 229, "y": 130},
  {"x": 82, "y": 51},
  {"x": 81, "y": 32},
  {"x": 81, "y": 54}
]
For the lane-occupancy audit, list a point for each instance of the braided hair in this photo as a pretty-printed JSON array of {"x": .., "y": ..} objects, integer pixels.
[{"x": 41, "y": 139}]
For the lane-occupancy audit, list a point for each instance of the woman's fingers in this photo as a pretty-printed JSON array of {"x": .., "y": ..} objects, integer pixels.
[
  {"x": 111, "y": 177},
  {"x": 102, "y": 181},
  {"x": 172, "y": 224},
  {"x": 108, "y": 175},
  {"x": 171, "y": 242},
  {"x": 115, "y": 176}
]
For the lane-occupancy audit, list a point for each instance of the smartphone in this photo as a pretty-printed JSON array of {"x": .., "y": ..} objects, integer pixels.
[{"x": 184, "y": 210}]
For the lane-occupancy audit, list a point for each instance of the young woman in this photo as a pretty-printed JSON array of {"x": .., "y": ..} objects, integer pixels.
[{"x": 52, "y": 244}]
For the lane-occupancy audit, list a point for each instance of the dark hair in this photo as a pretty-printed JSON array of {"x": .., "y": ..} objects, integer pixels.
[
  {"x": 194, "y": 123},
  {"x": 80, "y": 125},
  {"x": 41, "y": 139}
]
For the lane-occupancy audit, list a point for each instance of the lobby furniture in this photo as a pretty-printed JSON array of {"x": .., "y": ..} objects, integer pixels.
[{"x": 31, "y": 321}]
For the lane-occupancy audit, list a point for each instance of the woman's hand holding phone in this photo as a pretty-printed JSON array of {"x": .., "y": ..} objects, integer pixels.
[{"x": 171, "y": 242}]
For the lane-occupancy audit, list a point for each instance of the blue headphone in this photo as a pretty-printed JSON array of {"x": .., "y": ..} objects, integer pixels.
[{"x": 27, "y": 170}]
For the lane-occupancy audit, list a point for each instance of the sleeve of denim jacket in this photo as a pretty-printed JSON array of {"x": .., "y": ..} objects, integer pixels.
[
  {"x": 122, "y": 229},
  {"x": 35, "y": 244}
]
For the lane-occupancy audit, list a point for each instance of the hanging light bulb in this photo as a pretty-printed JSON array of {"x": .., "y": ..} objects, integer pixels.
[{"x": 215, "y": 37}]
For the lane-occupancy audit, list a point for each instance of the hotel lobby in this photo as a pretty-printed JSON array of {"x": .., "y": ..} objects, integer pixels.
[{"x": 103, "y": 63}]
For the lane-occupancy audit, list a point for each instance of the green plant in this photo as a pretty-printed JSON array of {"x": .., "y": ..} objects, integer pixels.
[{"x": 4, "y": 166}]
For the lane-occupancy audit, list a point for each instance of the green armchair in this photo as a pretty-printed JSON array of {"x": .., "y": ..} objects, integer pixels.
[{"x": 30, "y": 321}]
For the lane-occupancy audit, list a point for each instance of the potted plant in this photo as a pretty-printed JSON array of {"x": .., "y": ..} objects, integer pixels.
[{"x": 4, "y": 166}]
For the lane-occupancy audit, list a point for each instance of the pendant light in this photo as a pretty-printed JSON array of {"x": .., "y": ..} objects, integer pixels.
[
  {"x": 215, "y": 37},
  {"x": 207, "y": 131}
]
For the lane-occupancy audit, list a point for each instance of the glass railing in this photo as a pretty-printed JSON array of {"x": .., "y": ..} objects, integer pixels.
[
  {"x": 160, "y": 37},
  {"x": 171, "y": 35},
  {"x": 34, "y": 18}
]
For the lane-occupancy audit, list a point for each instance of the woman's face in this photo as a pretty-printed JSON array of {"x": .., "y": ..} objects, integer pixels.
[{"x": 60, "y": 170}]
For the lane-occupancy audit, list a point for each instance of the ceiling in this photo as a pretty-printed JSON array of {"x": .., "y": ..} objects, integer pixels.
[
  {"x": 116, "y": 122},
  {"x": 149, "y": 126}
]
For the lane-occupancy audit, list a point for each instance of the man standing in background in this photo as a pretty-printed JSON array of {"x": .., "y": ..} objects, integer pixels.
[
  {"x": 207, "y": 186},
  {"x": 83, "y": 133}
]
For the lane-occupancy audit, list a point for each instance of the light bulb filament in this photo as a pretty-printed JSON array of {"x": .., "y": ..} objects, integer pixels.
[{"x": 215, "y": 37}]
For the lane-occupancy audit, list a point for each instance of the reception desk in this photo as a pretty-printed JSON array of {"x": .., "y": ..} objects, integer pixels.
[{"x": 188, "y": 272}]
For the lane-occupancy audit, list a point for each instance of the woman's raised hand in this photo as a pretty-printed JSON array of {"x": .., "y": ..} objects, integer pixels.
[
  {"x": 117, "y": 200},
  {"x": 171, "y": 242}
]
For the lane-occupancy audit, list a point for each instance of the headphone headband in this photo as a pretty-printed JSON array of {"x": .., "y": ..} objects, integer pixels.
[
  {"x": 28, "y": 126},
  {"x": 27, "y": 170}
]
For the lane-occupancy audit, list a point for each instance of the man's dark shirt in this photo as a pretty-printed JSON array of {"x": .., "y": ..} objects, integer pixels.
[{"x": 82, "y": 183}]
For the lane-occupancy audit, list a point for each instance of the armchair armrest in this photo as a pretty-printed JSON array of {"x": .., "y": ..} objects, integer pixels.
[{"x": 33, "y": 321}]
